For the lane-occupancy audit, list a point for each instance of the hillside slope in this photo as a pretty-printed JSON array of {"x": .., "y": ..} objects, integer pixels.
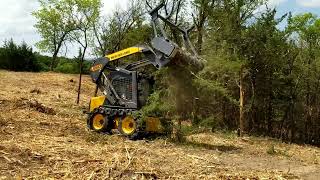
[{"x": 43, "y": 135}]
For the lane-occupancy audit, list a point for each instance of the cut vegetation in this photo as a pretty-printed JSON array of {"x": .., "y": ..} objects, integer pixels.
[{"x": 43, "y": 135}]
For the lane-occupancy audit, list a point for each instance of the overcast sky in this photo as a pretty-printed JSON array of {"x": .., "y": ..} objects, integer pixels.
[{"x": 16, "y": 21}]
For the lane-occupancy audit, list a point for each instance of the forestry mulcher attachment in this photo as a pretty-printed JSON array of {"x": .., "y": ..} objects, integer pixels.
[{"x": 125, "y": 89}]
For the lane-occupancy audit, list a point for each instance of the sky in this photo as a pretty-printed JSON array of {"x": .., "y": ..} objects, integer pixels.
[
  {"x": 296, "y": 6},
  {"x": 16, "y": 21}
]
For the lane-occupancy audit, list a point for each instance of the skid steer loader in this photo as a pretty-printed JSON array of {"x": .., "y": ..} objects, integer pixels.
[{"x": 125, "y": 89}]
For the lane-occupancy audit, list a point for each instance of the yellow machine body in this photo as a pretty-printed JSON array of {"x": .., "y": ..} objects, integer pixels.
[{"x": 96, "y": 102}]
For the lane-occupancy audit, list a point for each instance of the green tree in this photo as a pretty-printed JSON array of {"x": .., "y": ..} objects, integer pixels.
[
  {"x": 223, "y": 76},
  {"x": 265, "y": 49},
  {"x": 305, "y": 28},
  {"x": 115, "y": 33},
  {"x": 85, "y": 14},
  {"x": 18, "y": 57},
  {"x": 202, "y": 10},
  {"x": 54, "y": 24}
]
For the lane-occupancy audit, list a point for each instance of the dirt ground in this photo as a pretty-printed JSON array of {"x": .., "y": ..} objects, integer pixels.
[{"x": 43, "y": 135}]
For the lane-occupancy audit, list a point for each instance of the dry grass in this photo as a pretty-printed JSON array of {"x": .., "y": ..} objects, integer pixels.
[{"x": 43, "y": 135}]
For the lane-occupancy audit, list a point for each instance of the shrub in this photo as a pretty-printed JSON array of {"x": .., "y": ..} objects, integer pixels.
[{"x": 71, "y": 66}]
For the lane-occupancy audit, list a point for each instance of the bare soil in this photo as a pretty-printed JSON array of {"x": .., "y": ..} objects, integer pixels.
[{"x": 43, "y": 135}]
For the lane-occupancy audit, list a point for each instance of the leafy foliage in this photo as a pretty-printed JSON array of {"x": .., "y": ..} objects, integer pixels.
[
  {"x": 22, "y": 58},
  {"x": 72, "y": 66},
  {"x": 18, "y": 57}
]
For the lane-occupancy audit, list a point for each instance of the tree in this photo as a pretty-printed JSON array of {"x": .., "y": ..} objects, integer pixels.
[
  {"x": 111, "y": 32},
  {"x": 18, "y": 57},
  {"x": 85, "y": 15},
  {"x": 54, "y": 24},
  {"x": 174, "y": 11},
  {"x": 305, "y": 28},
  {"x": 224, "y": 78},
  {"x": 202, "y": 10}
]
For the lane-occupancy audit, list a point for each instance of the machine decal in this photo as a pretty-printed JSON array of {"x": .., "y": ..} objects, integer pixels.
[
  {"x": 96, "y": 67},
  {"x": 123, "y": 53}
]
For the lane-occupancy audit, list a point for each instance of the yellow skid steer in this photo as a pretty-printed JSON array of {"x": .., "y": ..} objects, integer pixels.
[{"x": 125, "y": 91}]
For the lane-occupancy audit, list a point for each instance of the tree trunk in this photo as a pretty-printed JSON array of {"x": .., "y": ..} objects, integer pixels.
[
  {"x": 57, "y": 49},
  {"x": 54, "y": 60},
  {"x": 241, "y": 118},
  {"x": 80, "y": 80},
  {"x": 269, "y": 115},
  {"x": 200, "y": 39},
  {"x": 251, "y": 125},
  {"x": 80, "y": 76}
]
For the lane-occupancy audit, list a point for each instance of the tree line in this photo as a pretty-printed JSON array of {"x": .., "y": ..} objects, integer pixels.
[
  {"x": 262, "y": 69},
  {"x": 21, "y": 57}
]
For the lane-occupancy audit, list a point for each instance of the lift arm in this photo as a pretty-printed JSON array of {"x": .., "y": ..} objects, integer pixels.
[{"x": 124, "y": 53}]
